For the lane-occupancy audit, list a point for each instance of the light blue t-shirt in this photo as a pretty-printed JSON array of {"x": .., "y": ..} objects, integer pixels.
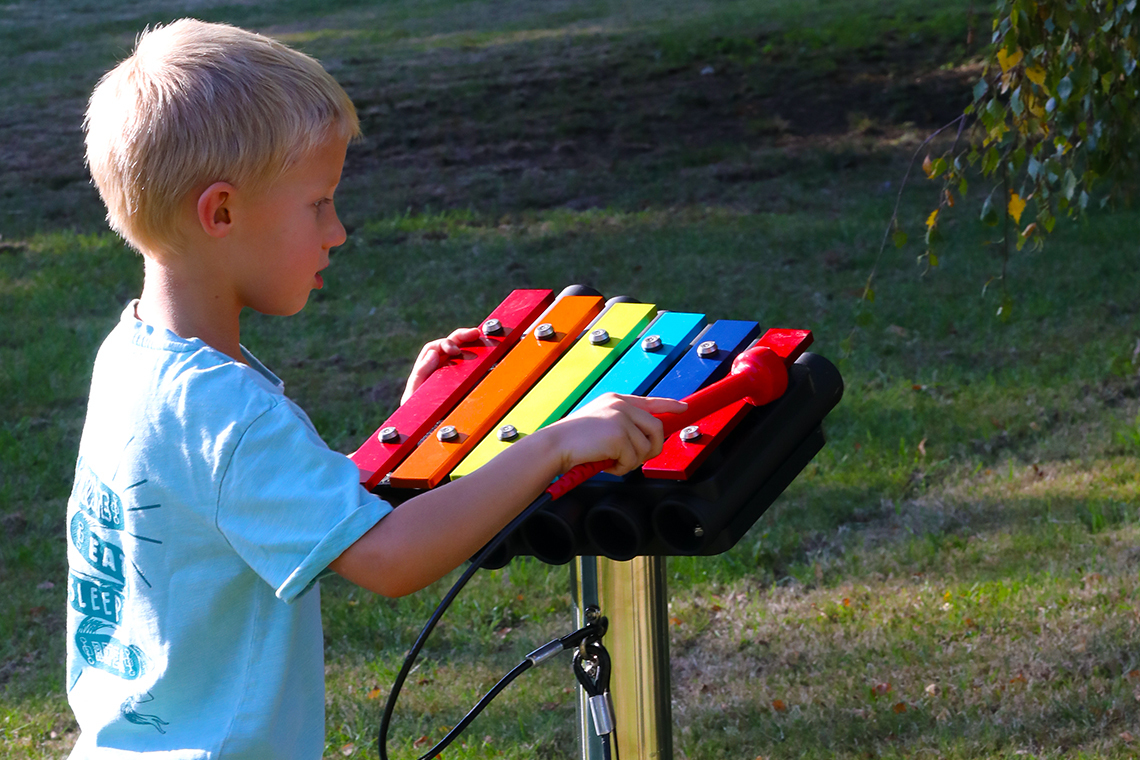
[{"x": 204, "y": 509}]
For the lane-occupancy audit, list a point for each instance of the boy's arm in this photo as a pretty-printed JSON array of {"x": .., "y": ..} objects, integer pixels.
[{"x": 435, "y": 532}]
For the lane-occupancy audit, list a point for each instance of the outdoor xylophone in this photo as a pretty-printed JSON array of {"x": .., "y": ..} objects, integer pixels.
[{"x": 746, "y": 436}]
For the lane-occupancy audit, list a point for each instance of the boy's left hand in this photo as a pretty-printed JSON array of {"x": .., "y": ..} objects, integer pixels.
[{"x": 433, "y": 354}]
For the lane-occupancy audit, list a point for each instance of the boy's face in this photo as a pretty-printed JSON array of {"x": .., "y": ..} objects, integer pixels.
[{"x": 287, "y": 232}]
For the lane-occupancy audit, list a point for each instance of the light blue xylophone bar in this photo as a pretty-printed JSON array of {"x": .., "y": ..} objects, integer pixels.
[{"x": 640, "y": 368}]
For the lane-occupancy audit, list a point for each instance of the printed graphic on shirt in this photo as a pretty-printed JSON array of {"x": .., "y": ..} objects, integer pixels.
[
  {"x": 103, "y": 651},
  {"x": 97, "y": 500},
  {"x": 97, "y": 589},
  {"x": 103, "y": 556},
  {"x": 127, "y": 709}
]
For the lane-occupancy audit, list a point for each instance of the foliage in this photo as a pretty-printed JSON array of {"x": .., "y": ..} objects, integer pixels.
[{"x": 1054, "y": 120}]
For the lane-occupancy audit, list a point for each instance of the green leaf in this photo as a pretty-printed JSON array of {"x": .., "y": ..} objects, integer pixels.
[
  {"x": 932, "y": 235},
  {"x": 864, "y": 318},
  {"x": 989, "y": 211},
  {"x": 980, "y": 89},
  {"x": 899, "y": 238},
  {"x": 1005, "y": 308},
  {"x": 1069, "y": 186},
  {"x": 990, "y": 161},
  {"x": 1065, "y": 88},
  {"x": 1033, "y": 168}
]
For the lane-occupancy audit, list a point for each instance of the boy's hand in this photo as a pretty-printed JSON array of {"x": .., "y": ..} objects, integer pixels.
[
  {"x": 617, "y": 427},
  {"x": 433, "y": 354}
]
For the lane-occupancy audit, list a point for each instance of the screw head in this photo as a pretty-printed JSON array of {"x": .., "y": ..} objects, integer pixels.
[
  {"x": 651, "y": 343},
  {"x": 388, "y": 434},
  {"x": 707, "y": 349},
  {"x": 508, "y": 433},
  {"x": 447, "y": 433},
  {"x": 690, "y": 433},
  {"x": 698, "y": 531},
  {"x": 599, "y": 337},
  {"x": 545, "y": 331},
  {"x": 492, "y": 327}
]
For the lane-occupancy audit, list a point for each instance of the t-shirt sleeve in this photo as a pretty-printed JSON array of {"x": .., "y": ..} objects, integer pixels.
[{"x": 289, "y": 505}]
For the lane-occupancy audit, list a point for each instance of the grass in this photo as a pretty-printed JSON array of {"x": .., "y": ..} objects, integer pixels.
[{"x": 955, "y": 573}]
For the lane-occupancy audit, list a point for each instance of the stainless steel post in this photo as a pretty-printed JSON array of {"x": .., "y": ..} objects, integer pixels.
[{"x": 633, "y": 596}]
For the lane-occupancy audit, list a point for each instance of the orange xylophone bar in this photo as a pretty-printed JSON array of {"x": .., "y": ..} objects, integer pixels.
[{"x": 430, "y": 463}]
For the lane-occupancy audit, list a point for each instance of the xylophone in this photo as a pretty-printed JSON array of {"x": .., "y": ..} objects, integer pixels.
[{"x": 541, "y": 357}]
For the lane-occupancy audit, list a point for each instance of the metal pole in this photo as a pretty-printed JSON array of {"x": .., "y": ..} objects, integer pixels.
[{"x": 633, "y": 595}]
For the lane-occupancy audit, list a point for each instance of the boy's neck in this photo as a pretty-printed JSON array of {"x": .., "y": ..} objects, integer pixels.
[{"x": 189, "y": 304}]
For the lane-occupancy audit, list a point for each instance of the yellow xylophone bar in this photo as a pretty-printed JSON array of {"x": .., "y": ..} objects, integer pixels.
[
  {"x": 429, "y": 464},
  {"x": 565, "y": 383}
]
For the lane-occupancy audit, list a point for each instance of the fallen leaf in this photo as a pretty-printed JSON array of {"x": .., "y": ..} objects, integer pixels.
[
  {"x": 423, "y": 682},
  {"x": 922, "y": 447},
  {"x": 348, "y": 749},
  {"x": 1134, "y": 674},
  {"x": 1127, "y": 736},
  {"x": 778, "y": 705},
  {"x": 932, "y": 689},
  {"x": 45, "y": 586},
  {"x": 422, "y": 741},
  {"x": 900, "y": 707},
  {"x": 1019, "y": 678},
  {"x": 374, "y": 693},
  {"x": 846, "y": 602},
  {"x": 880, "y": 689},
  {"x": 675, "y": 620}
]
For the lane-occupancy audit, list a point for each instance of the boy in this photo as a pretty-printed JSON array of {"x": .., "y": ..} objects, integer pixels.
[{"x": 205, "y": 505}]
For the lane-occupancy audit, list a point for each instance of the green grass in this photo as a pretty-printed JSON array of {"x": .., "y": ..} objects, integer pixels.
[{"x": 954, "y": 574}]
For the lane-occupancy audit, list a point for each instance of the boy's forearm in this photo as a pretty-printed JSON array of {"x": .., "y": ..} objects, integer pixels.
[{"x": 431, "y": 534}]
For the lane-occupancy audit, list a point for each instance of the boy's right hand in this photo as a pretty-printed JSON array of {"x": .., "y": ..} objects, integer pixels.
[{"x": 613, "y": 426}]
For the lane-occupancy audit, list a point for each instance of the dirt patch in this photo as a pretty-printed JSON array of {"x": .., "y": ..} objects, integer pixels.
[{"x": 602, "y": 108}]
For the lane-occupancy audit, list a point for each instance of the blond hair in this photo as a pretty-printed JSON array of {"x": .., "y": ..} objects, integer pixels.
[{"x": 199, "y": 103}]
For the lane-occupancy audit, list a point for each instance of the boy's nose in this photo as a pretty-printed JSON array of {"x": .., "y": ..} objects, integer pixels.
[{"x": 336, "y": 234}]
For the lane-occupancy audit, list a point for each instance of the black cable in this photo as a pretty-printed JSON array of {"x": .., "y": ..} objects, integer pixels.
[
  {"x": 593, "y": 630},
  {"x": 449, "y": 597}
]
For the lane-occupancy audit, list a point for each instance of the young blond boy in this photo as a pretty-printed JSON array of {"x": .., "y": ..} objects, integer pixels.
[{"x": 205, "y": 505}]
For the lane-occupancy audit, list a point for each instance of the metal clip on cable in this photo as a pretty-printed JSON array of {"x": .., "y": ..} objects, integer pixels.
[{"x": 592, "y": 669}]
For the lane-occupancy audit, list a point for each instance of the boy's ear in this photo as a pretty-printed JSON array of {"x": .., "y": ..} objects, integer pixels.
[{"x": 214, "y": 211}]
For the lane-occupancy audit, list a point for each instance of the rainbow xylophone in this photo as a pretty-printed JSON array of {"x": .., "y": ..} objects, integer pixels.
[{"x": 541, "y": 357}]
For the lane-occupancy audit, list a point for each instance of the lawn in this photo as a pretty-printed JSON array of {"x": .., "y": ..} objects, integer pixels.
[{"x": 955, "y": 575}]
